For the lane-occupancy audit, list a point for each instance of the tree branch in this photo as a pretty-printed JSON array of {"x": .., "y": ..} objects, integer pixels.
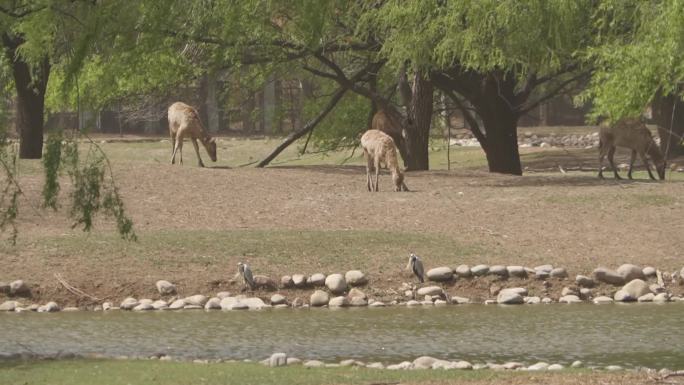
[
  {"x": 523, "y": 109},
  {"x": 467, "y": 115}
]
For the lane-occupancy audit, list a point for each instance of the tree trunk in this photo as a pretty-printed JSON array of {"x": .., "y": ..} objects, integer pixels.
[
  {"x": 670, "y": 126},
  {"x": 502, "y": 143},
  {"x": 418, "y": 130},
  {"x": 30, "y": 106}
]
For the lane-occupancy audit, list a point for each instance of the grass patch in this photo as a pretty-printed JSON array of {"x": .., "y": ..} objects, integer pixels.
[
  {"x": 330, "y": 249},
  {"x": 108, "y": 372}
]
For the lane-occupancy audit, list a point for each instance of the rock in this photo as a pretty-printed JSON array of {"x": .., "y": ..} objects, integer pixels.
[
  {"x": 657, "y": 289},
  {"x": 213, "y": 303},
  {"x": 405, "y": 365},
  {"x": 499, "y": 270},
  {"x": 106, "y": 306},
  {"x": 559, "y": 272},
  {"x": 313, "y": 364},
  {"x": 570, "y": 299},
  {"x": 8, "y": 306},
  {"x": 479, "y": 270},
  {"x": 546, "y": 300},
  {"x": 630, "y": 272},
  {"x": 177, "y": 304},
  {"x": 286, "y": 281},
  {"x": 277, "y": 359},
  {"x": 555, "y": 367},
  {"x": 143, "y": 306},
  {"x": 128, "y": 303},
  {"x": 649, "y": 271},
  {"x": 429, "y": 290},
  {"x": 424, "y": 362},
  {"x": 19, "y": 288},
  {"x": 377, "y": 304},
  {"x": 512, "y": 365},
  {"x": 4, "y": 288},
  {"x": 545, "y": 268},
  {"x": 319, "y": 298},
  {"x": 539, "y": 366},
  {"x": 636, "y": 288},
  {"x": 239, "y": 305},
  {"x": 585, "y": 293},
  {"x": 277, "y": 299},
  {"x": 584, "y": 281},
  {"x": 71, "y": 309},
  {"x": 336, "y": 283},
  {"x": 608, "y": 276},
  {"x": 576, "y": 364},
  {"x": 223, "y": 294},
  {"x": 509, "y": 297},
  {"x": 165, "y": 287},
  {"x": 660, "y": 298},
  {"x": 196, "y": 300},
  {"x": 316, "y": 280},
  {"x": 253, "y": 303},
  {"x": 569, "y": 291},
  {"x": 264, "y": 282},
  {"x": 356, "y": 301},
  {"x": 413, "y": 303},
  {"x": 355, "y": 278},
  {"x": 356, "y": 293},
  {"x": 159, "y": 304},
  {"x": 516, "y": 271},
  {"x": 440, "y": 274},
  {"x": 192, "y": 307},
  {"x": 340, "y": 301},
  {"x": 293, "y": 361},
  {"x": 541, "y": 275},
  {"x": 623, "y": 296},
  {"x": 299, "y": 280},
  {"x": 463, "y": 271},
  {"x": 532, "y": 300},
  {"x": 602, "y": 300},
  {"x": 376, "y": 365},
  {"x": 613, "y": 368},
  {"x": 49, "y": 307},
  {"x": 460, "y": 300},
  {"x": 646, "y": 297}
]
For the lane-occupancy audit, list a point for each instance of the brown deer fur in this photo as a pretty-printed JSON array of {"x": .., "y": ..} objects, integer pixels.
[
  {"x": 632, "y": 134},
  {"x": 184, "y": 122},
  {"x": 379, "y": 150}
]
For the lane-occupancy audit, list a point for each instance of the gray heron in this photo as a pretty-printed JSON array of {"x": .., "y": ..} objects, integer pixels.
[
  {"x": 416, "y": 265},
  {"x": 246, "y": 273}
]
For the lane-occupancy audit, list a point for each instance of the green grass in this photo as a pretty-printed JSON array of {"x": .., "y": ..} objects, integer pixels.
[
  {"x": 180, "y": 248},
  {"x": 109, "y": 372}
]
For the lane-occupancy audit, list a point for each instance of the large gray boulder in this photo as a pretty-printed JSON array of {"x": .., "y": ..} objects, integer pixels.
[
  {"x": 649, "y": 271},
  {"x": 429, "y": 290},
  {"x": 463, "y": 271},
  {"x": 212, "y": 304},
  {"x": 636, "y": 288},
  {"x": 605, "y": 275},
  {"x": 286, "y": 281},
  {"x": 264, "y": 282},
  {"x": 355, "y": 278},
  {"x": 128, "y": 303},
  {"x": 179, "y": 304},
  {"x": 516, "y": 271},
  {"x": 299, "y": 280},
  {"x": 623, "y": 296},
  {"x": 440, "y": 274},
  {"x": 630, "y": 272},
  {"x": 196, "y": 300},
  {"x": 499, "y": 270},
  {"x": 4, "y": 288},
  {"x": 340, "y": 301},
  {"x": 424, "y": 362},
  {"x": 510, "y": 297},
  {"x": 19, "y": 288},
  {"x": 336, "y": 283},
  {"x": 559, "y": 272},
  {"x": 584, "y": 281},
  {"x": 49, "y": 307},
  {"x": 254, "y": 303},
  {"x": 479, "y": 270},
  {"x": 319, "y": 298},
  {"x": 165, "y": 287},
  {"x": 8, "y": 306},
  {"x": 317, "y": 280},
  {"x": 277, "y": 359},
  {"x": 277, "y": 299}
]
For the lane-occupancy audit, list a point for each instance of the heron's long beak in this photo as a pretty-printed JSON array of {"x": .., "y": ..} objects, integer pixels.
[{"x": 409, "y": 265}]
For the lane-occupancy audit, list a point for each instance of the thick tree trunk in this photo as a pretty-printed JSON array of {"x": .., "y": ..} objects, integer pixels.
[
  {"x": 30, "y": 106},
  {"x": 502, "y": 143},
  {"x": 670, "y": 126},
  {"x": 418, "y": 132}
]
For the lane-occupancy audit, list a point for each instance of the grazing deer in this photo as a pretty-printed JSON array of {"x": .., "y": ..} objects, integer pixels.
[
  {"x": 633, "y": 134},
  {"x": 184, "y": 122},
  {"x": 379, "y": 149}
]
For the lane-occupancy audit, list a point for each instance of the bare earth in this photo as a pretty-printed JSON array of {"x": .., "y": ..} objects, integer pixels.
[{"x": 196, "y": 224}]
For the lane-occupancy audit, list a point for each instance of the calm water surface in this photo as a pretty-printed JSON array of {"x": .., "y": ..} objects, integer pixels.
[{"x": 630, "y": 335}]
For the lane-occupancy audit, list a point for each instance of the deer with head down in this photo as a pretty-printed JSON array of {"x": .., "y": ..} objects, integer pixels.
[
  {"x": 632, "y": 134},
  {"x": 379, "y": 150},
  {"x": 184, "y": 121}
]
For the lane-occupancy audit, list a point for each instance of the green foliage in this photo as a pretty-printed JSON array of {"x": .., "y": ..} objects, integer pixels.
[{"x": 639, "y": 52}]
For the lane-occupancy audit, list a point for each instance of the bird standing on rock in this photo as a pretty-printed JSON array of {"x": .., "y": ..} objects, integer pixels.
[
  {"x": 246, "y": 273},
  {"x": 416, "y": 266}
]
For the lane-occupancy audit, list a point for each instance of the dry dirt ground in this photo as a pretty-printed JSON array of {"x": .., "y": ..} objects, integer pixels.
[{"x": 195, "y": 224}]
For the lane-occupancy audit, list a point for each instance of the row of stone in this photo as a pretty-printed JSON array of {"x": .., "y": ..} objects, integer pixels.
[{"x": 446, "y": 274}]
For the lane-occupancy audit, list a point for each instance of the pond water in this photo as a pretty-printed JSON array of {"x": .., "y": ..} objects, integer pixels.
[{"x": 629, "y": 335}]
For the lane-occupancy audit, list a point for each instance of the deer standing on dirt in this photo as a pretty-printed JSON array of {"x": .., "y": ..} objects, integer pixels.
[
  {"x": 184, "y": 122},
  {"x": 379, "y": 149},
  {"x": 632, "y": 134}
]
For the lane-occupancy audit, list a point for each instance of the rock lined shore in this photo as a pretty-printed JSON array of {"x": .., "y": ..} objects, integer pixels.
[{"x": 506, "y": 285}]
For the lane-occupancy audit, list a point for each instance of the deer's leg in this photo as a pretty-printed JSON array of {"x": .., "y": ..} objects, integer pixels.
[
  {"x": 377, "y": 173},
  {"x": 177, "y": 148},
  {"x": 602, "y": 156},
  {"x": 173, "y": 148},
  {"x": 194, "y": 143},
  {"x": 369, "y": 166},
  {"x": 631, "y": 164},
  {"x": 648, "y": 167},
  {"x": 611, "y": 154}
]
